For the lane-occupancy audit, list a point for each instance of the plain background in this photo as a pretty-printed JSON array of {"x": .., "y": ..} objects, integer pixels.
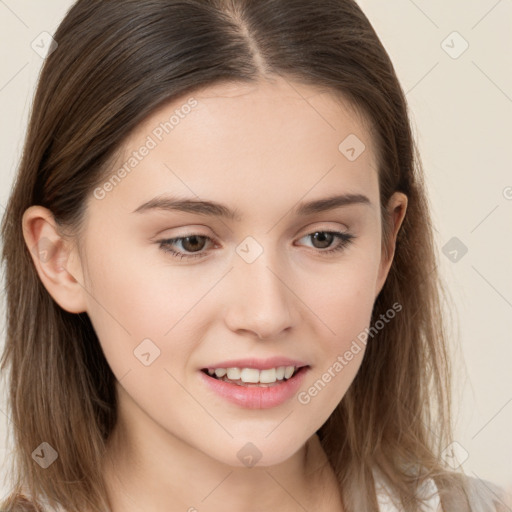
[{"x": 461, "y": 110}]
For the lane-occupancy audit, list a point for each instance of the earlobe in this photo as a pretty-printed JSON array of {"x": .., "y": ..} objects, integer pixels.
[
  {"x": 397, "y": 207},
  {"x": 55, "y": 259}
]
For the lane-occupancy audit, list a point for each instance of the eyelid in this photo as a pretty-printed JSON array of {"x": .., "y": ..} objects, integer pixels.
[
  {"x": 322, "y": 226},
  {"x": 344, "y": 240},
  {"x": 193, "y": 231}
]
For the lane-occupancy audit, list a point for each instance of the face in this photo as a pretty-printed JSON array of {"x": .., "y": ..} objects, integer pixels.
[{"x": 275, "y": 277}]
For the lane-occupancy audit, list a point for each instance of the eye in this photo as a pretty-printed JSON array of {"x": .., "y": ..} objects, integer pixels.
[
  {"x": 194, "y": 244},
  {"x": 325, "y": 239}
]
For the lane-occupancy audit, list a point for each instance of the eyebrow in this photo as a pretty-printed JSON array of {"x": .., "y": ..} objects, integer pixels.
[{"x": 214, "y": 209}]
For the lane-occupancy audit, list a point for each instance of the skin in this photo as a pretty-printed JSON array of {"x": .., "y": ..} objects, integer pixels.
[{"x": 260, "y": 149}]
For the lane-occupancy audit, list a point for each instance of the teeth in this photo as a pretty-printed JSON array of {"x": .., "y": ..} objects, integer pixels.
[
  {"x": 253, "y": 375},
  {"x": 267, "y": 376},
  {"x": 234, "y": 373},
  {"x": 288, "y": 372}
]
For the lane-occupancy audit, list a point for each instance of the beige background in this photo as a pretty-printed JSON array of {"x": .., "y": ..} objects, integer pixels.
[{"x": 461, "y": 110}]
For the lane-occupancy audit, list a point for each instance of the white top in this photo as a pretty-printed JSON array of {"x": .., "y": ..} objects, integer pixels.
[
  {"x": 483, "y": 497},
  {"x": 387, "y": 503}
]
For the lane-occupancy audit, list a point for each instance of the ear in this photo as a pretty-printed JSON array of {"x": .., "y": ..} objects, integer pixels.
[
  {"x": 55, "y": 258},
  {"x": 397, "y": 206}
]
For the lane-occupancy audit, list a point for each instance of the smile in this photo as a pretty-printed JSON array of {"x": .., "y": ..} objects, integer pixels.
[
  {"x": 251, "y": 376},
  {"x": 252, "y": 388}
]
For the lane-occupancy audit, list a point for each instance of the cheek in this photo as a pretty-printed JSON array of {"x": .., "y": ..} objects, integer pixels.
[
  {"x": 343, "y": 300},
  {"x": 343, "y": 294},
  {"x": 347, "y": 313},
  {"x": 132, "y": 300},
  {"x": 121, "y": 304},
  {"x": 339, "y": 356}
]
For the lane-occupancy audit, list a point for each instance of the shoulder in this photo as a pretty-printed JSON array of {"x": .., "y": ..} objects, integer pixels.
[
  {"x": 22, "y": 502},
  {"x": 485, "y": 496},
  {"x": 388, "y": 502},
  {"x": 461, "y": 494},
  {"x": 18, "y": 502}
]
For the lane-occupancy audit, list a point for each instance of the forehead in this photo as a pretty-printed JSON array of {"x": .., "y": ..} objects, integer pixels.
[{"x": 273, "y": 140}]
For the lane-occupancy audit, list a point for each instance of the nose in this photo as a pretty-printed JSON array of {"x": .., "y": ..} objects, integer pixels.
[{"x": 260, "y": 300}]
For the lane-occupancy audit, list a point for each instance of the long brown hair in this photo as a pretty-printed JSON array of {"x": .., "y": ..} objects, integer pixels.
[{"x": 116, "y": 62}]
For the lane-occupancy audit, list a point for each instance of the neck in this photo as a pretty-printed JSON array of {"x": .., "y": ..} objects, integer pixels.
[{"x": 150, "y": 469}]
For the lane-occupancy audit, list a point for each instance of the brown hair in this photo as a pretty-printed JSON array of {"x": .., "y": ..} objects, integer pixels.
[{"x": 116, "y": 62}]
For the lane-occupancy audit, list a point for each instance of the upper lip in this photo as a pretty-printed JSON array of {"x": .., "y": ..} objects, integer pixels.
[{"x": 259, "y": 364}]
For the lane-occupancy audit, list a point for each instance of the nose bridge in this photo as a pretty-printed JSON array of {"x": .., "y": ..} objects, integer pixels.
[{"x": 261, "y": 300}]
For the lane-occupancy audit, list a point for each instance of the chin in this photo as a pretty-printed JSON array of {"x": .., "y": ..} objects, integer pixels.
[{"x": 259, "y": 453}]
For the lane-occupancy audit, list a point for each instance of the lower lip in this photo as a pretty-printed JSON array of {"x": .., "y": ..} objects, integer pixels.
[{"x": 256, "y": 397}]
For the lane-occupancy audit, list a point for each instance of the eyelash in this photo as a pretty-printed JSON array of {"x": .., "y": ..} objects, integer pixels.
[{"x": 345, "y": 239}]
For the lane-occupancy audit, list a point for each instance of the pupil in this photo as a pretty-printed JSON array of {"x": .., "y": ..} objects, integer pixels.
[
  {"x": 323, "y": 236},
  {"x": 194, "y": 240}
]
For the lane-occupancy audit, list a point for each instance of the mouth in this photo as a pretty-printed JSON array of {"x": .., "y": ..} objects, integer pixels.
[
  {"x": 255, "y": 384},
  {"x": 253, "y": 377}
]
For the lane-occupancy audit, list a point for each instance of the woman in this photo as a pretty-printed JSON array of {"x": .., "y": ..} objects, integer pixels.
[{"x": 221, "y": 276}]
